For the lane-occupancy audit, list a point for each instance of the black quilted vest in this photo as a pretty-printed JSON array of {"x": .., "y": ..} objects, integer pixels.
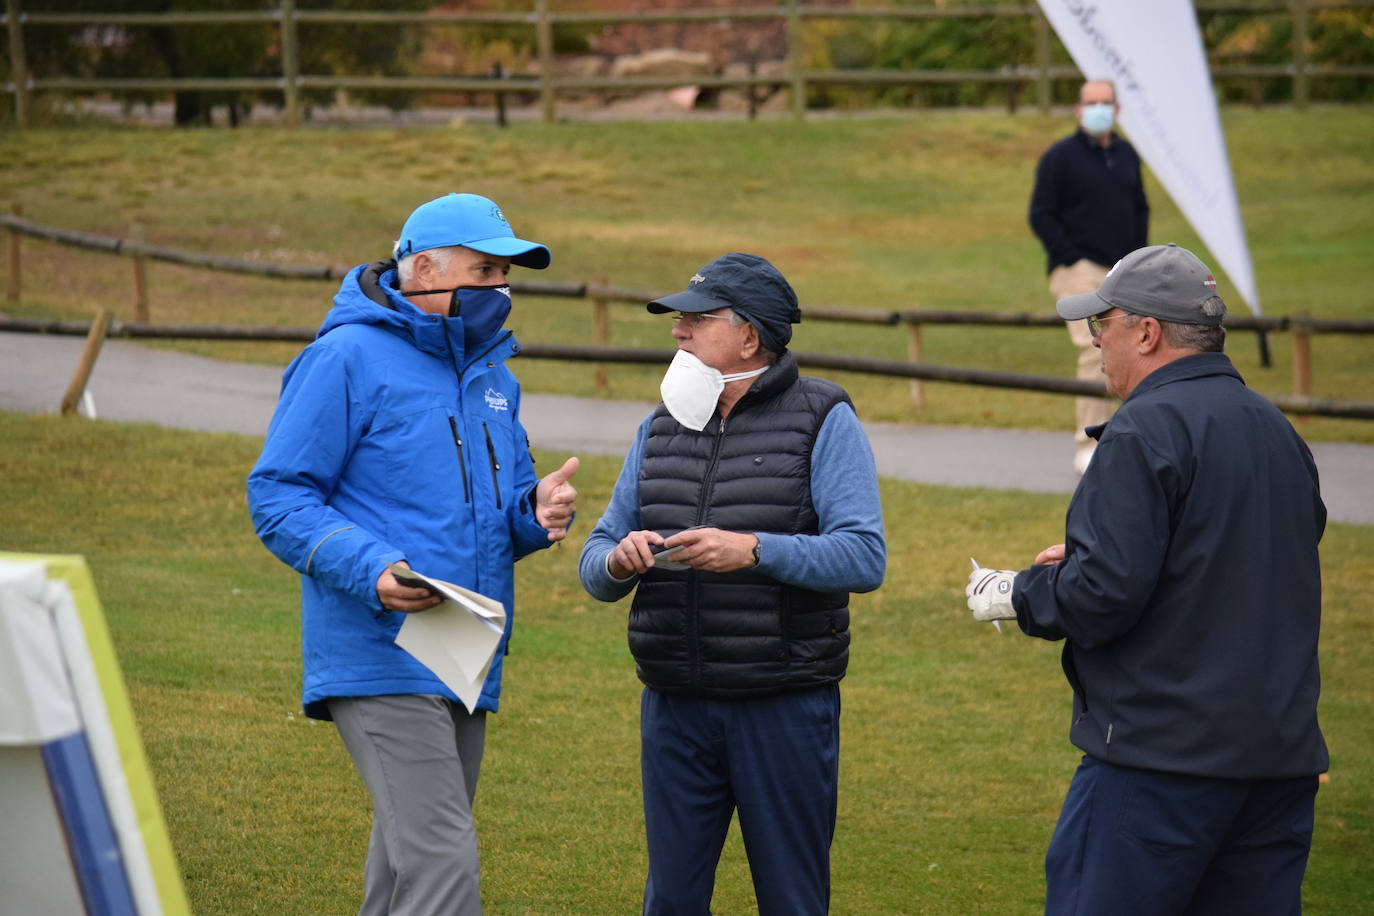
[{"x": 738, "y": 634}]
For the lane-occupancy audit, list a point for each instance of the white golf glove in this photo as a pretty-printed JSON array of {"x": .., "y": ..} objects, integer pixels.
[{"x": 989, "y": 594}]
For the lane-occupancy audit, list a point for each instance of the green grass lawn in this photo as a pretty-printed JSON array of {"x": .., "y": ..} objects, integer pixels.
[
  {"x": 915, "y": 212},
  {"x": 955, "y": 756}
]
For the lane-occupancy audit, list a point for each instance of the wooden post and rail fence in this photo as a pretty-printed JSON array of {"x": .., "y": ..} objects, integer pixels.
[
  {"x": 602, "y": 295},
  {"x": 547, "y": 83}
]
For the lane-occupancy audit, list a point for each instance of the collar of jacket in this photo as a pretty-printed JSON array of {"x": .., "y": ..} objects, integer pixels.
[
  {"x": 1091, "y": 143},
  {"x": 1194, "y": 366},
  {"x": 433, "y": 334},
  {"x": 1186, "y": 368},
  {"x": 777, "y": 379}
]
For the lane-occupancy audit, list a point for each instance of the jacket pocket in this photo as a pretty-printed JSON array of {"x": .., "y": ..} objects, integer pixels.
[
  {"x": 495, "y": 465},
  {"x": 462, "y": 466}
]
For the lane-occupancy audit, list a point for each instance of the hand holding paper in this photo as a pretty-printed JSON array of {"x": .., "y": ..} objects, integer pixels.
[
  {"x": 399, "y": 590},
  {"x": 456, "y": 640}
]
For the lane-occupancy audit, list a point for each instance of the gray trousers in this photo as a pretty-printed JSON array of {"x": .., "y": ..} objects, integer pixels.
[{"x": 418, "y": 756}]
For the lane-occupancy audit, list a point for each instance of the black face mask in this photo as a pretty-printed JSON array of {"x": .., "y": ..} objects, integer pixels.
[{"x": 483, "y": 309}]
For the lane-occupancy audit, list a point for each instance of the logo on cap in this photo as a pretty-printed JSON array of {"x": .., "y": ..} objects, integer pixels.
[
  {"x": 1210, "y": 282},
  {"x": 696, "y": 278},
  {"x": 497, "y": 214}
]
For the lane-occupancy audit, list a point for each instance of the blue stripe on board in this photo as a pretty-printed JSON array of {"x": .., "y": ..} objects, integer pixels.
[{"x": 90, "y": 834}]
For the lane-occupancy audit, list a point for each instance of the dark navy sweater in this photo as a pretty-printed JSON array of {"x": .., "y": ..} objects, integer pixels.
[{"x": 1089, "y": 201}]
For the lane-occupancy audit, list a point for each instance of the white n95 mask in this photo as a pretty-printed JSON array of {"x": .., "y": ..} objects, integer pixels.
[{"x": 690, "y": 389}]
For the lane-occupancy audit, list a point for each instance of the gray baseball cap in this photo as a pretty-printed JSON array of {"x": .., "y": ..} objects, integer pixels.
[{"x": 1163, "y": 281}]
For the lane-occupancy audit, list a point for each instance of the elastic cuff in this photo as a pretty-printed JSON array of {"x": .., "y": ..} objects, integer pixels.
[{"x": 612, "y": 575}]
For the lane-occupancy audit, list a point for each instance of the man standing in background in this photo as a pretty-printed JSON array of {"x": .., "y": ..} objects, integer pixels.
[{"x": 1089, "y": 211}]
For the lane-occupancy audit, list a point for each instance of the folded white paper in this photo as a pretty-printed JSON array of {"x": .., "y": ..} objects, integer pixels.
[{"x": 457, "y": 639}]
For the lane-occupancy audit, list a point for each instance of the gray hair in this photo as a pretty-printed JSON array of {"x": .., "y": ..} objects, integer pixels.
[
  {"x": 769, "y": 356},
  {"x": 1203, "y": 338},
  {"x": 405, "y": 268}
]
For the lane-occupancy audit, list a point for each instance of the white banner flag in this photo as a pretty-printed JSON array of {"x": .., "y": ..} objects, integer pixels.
[{"x": 1153, "y": 53}]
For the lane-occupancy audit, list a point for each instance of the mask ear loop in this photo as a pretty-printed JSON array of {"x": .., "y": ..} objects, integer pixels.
[
  {"x": 736, "y": 376},
  {"x": 455, "y": 306}
]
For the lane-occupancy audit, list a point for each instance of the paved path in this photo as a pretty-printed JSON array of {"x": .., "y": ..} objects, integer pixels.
[{"x": 133, "y": 383}]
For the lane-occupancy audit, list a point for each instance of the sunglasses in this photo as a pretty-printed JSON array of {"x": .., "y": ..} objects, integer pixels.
[
  {"x": 694, "y": 319},
  {"x": 1095, "y": 323}
]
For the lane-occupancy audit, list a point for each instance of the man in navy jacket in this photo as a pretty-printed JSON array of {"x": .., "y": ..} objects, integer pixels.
[{"x": 1188, "y": 595}]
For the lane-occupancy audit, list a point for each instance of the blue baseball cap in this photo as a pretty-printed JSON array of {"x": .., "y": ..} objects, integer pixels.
[
  {"x": 750, "y": 286},
  {"x": 472, "y": 221}
]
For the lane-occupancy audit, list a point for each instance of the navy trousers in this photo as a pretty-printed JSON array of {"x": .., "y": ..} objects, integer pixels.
[
  {"x": 1135, "y": 842},
  {"x": 775, "y": 760}
]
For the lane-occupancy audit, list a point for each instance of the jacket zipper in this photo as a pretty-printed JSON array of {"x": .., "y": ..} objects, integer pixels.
[
  {"x": 462, "y": 467},
  {"x": 708, "y": 484},
  {"x": 709, "y": 481},
  {"x": 495, "y": 465}
]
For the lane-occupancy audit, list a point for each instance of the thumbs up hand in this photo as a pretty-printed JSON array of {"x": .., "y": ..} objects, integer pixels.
[{"x": 556, "y": 500}]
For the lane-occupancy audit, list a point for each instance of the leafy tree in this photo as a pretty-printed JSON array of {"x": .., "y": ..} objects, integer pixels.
[{"x": 181, "y": 51}]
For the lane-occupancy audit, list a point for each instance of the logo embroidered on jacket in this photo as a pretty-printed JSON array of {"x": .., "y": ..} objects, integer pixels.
[{"x": 496, "y": 400}]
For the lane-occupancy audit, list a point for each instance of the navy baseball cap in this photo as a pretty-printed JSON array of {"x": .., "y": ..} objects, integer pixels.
[
  {"x": 472, "y": 221},
  {"x": 746, "y": 283},
  {"x": 1163, "y": 281}
]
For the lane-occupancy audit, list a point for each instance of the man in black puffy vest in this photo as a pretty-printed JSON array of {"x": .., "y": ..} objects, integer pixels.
[{"x": 746, "y": 512}]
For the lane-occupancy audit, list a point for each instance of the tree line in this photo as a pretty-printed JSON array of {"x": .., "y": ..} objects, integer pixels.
[{"x": 253, "y": 49}]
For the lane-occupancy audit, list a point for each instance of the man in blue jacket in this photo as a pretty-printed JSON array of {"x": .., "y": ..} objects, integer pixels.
[
  {"x": 746, "y": 512},
  {"x": 1188, "y": 595},
  {"x": 397, "y": 439}
]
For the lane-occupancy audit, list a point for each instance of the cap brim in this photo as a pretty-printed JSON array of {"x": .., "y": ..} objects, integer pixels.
[
  {"x": 1083, "y": 305},
  {"x": 686, "y": 301},
  {"x": 521, "y": 252}
]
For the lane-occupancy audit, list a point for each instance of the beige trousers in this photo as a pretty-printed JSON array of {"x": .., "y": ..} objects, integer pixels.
[{"x": 1083, "y": 276}]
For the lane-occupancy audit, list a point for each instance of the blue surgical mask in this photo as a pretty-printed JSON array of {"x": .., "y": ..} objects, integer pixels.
[
  {"x": 483, "y": 309},
  {"x": 1096, "y": 119}
]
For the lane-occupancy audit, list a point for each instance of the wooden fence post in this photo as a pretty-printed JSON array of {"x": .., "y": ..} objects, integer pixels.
[
  {"x": 1300, "y": 22},
  {"x": 19, "y": 71},
  {"x": 543, "y": 39},
  {"x": 140, "y": 273},
  {"x": 913, "y": 354},
  {"x": 601, "y": 321},
  {"x": 1042, "y": 61},
  {"x": 1302, "y": 361},
  {"x": 95, "y": 338},
  {"x": 498, "y": 73},
  {"x": 290, "y": 63},
  {"x": 794, "y": 61},
  {"x": 13, "y": 285}
]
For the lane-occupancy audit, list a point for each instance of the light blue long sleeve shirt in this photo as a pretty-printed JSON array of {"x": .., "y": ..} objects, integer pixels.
[{"x": 849, "y": 553}]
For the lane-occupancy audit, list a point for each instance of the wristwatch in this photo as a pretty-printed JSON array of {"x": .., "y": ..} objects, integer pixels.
[{"x": 757, "y": 559}]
